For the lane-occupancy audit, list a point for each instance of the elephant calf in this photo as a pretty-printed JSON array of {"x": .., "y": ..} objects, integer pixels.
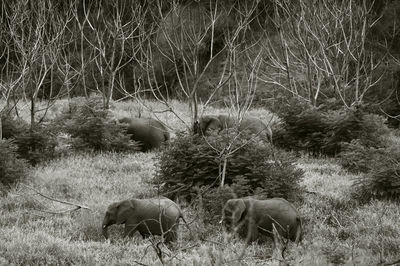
[
  {"x": 256, "y": 217},
  {"x": 252, "y": 124},
  {"x": 149, "y": 132},
  {"x": 156, "y": 216}
]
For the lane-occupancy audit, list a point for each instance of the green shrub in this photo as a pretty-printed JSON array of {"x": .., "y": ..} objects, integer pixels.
[
  {"x": 36, "y": 145},
  {"x": 11, "y": 127},
  {"x": 326, "y": 131},
  {"x": 348, "y": 125},
  {"x": 382, "y": 181},
  {"x": 302, "y": 130},
  {"x": 213, "y": 200},
  {"x": 12, "y": 168},
  {"x": 358, "y": 158},
  {"x": 92, "y": 128},
  {"x": 254, "y": 167}
]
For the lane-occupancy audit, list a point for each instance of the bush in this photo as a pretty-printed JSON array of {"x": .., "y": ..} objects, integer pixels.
[
  {"x": 356, "y": 158},
  {"x": 92, "y": 128},
  {"x": 191, "y": 163},
  {"x": 36, "y": 145},
  {"x": 213, "y": 201},
  {"x": 326, "y": 131},
  {"x": 12, "y": 168},
  {"x": 305, "y": 130},
  {"x": 382, "y": 181},
  {"x": 348, "y": 125},
  {"x": 12, "y": 127}
]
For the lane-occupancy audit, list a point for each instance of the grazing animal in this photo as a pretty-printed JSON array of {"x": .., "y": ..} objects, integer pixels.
[
  {"x": 258, "y": 217},
  {"x": 251, "y": 124},
  {"x": 149, "y": 132},
  {"x": 155, "y": 216}
]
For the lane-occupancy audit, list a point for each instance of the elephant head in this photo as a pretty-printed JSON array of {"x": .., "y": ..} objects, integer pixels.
[
  {"x": 117, "y": 213},
  {"x": 206, "y": 123},
  {"x": 233, "y": 212}
]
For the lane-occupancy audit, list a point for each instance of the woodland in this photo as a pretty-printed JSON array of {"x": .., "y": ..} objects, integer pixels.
[{"x": 323, "y": 75}]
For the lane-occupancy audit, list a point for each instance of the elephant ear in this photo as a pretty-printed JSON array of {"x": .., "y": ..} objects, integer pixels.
[
  {"x": 237, "y": 208},
  {"x": 210, "y": 123},
  {"x": 124, "y": 209}
]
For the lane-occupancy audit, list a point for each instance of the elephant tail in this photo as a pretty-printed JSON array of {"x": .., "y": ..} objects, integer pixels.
[
  {"x": 166, "y": 135},
  {"x": 299, "y": 230}
]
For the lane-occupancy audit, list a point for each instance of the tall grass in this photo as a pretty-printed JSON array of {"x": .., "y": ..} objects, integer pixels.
[{"x": 336, "y": 230}]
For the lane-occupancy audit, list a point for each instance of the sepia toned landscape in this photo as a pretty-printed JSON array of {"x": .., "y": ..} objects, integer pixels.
[{"x": 105, "y": 103}]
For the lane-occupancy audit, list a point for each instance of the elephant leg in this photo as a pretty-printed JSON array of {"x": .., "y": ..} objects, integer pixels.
[
  {"x": 144, "y": 235},
  {"x": 129, "y": 230},
  {"x": 171, "y": 235},
  {"x": 252, "y": 232}
]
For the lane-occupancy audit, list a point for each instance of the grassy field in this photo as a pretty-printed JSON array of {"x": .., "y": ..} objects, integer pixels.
[{"x": 336, "y": 230}]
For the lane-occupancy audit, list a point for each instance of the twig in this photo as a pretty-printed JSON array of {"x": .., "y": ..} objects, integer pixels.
[
  {"x": 139, "y": 263},
  {"x": 390, "y": 263}
]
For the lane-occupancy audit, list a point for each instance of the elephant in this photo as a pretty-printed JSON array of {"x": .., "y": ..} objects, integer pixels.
[
  {"x": 221, "y": 122},
  {"x": 253, "y": 217},
  {"x": 149, "y": 132},
  {"x": 154, "y": 216}
]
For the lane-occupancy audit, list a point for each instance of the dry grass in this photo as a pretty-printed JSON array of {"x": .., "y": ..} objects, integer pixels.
[{"x": 337, "y": 231}]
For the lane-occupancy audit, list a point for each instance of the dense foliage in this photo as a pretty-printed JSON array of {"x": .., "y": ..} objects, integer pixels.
[
  {"x": 36, "y": 145},
  {"x": 357, "y": 158},
  {"x": 93, "y": 129},
  {"x": 318, "y": 131},
  {"x": 192, "y": 163},
  {"x": 11, "y": 127},
  {"x": 378, "y": 169},
  {"x": 382, "y": 181},
  {"x": 12, "y": 168}
]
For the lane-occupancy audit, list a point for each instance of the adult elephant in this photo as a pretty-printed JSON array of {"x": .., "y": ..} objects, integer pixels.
[
  {"x": 254, "y": 217},
  {"x": 155, "y": 216},
  {"x": 149, "y": 132},
  {"x": 221, "y": 122}
]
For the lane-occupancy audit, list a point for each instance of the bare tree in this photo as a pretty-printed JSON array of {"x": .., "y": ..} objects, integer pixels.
[
  {"x": 36, "y": 31},
  {"x": 108, "y": 39},
  {"x": 322, "y": 49}
]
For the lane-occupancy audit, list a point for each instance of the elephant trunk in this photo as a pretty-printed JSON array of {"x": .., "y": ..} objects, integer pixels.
[
  {"x": 105, "y": 231},
  {"x": 104, "y": 226}
]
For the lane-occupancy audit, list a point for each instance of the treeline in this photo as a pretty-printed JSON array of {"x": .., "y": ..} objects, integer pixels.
[{"x": 325, "y": 52}]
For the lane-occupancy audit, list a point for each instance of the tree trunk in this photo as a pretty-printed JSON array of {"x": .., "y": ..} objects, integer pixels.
[
  {"x": 1, "y": 129},
  {"x": 32, "y": 113}
]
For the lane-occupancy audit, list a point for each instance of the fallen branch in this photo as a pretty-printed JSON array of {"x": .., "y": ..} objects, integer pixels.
[{"x": 77, "y": 206}]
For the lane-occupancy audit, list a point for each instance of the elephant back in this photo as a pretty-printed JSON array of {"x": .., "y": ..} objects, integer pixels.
[
  {"x": 169, "y": 208},
  {"x": 255, "y": 126},
  {"x": 150, "y": 132},
  {"x": 286, "y": 214}
]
